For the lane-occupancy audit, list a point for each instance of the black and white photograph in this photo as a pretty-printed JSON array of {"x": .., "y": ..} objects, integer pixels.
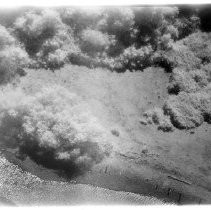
[{"x": 105, "y": 105}]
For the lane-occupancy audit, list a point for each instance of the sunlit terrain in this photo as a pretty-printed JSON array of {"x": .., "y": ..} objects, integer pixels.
[{"x": 105, "y": 105}]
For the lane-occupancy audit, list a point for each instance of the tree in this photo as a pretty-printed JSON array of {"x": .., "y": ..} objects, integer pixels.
[
  {"x": 34, "y": 28},
  {"x": 12, "y": 57}
]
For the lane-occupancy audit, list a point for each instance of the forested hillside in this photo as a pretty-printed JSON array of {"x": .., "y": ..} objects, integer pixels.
[{"x": 82, "y": 88}]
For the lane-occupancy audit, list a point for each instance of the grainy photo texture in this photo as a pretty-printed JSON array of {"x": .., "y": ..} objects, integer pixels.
[{"x": 105, "y": 105}]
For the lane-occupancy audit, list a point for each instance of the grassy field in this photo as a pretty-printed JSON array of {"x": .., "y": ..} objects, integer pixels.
[{"x": 140, "y": 153}]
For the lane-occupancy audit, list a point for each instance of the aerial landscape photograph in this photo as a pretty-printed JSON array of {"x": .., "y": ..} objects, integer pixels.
[{"x": 105, "y": 105}]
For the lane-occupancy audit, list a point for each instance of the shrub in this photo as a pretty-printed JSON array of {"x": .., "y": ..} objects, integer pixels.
[
  {"x": 152, "y": 23},
  {"x": 55, "y": 52},
  {"x": 201, "y": 77},
  {"x": 189, "y": 110},
  {"x": 93, "y": 41},
  {"x": 183, "y": 114},
  {"x": 157, "y": 117},
  {"x": 182, "y": 80},
  {"x": 54, "y": 127},
  {"x": 134, "y": 59},
  {"x": 56, "y": 59},
  {"x": 178, "y": 56},
  {"x": 115, "y": 132},
  {"x": 12, "y": 62},
  {"x": 173, "y": 31},
  {"x": 187, "y": 25},
  {"x": 165, "y": 42},
  {"x": 12, "y": 57},
  {"x": 131, "y": 58},
  {"x": 189, "y": 81},
  {"x": 118, "y": 22},
  {"x": 203, "y": 102},
  {"x": 200, "y": 44},
  {"x": 81, "y": 18},
  {"x": 5, "y": 38},
  {"x": 82, "y": 59},
  {"x": 207, "y": 70}
]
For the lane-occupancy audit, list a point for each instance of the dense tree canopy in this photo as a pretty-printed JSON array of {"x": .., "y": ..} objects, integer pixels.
[{"x": 100, "y": 36}]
